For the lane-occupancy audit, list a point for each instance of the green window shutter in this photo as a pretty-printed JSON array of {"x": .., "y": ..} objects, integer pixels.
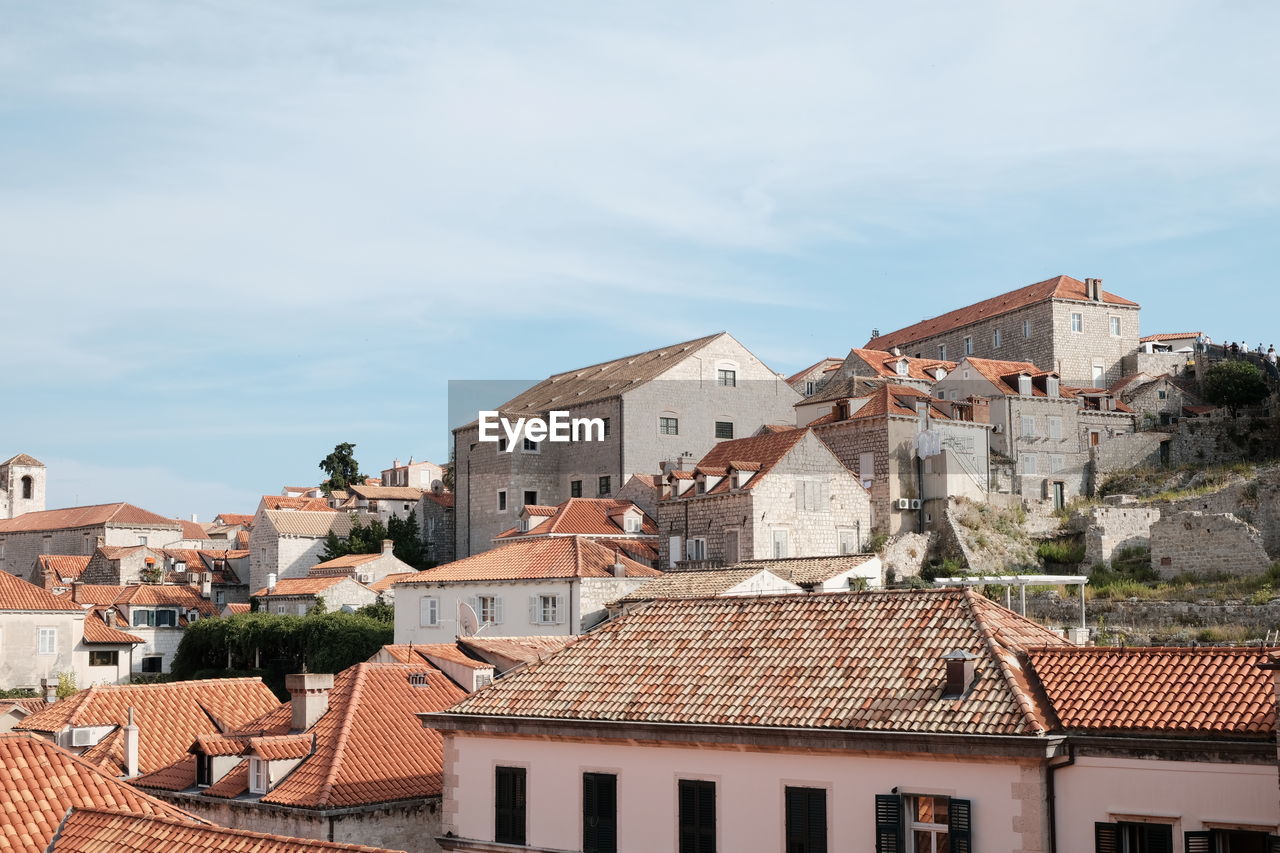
[
  {"x": 1106, "y": 838},
  {"x": 960, "y": 830},
  {"x": 599, "y": 813},
  {"x": 888, "y": 823},
  {"x": 697, "y": 818},
  {"x": 1197, "y": 842},
  {"x": 1273, "y": 844},
  {"x": 806, "y": 813}
]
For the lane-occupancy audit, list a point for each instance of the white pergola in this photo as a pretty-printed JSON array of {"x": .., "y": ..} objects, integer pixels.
[{"x": 1021, "y": 582}]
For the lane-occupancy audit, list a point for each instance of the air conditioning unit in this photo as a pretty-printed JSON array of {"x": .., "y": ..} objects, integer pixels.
[
  {"x": 365, "y": 577},
  {"x": 997, "y": 428},
  {"x": 904, "y": 503},
  {"x": 915, "y": 504}
]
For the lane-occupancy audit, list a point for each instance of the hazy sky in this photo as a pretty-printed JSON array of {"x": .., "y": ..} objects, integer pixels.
[{"x": 234, "y": 234}]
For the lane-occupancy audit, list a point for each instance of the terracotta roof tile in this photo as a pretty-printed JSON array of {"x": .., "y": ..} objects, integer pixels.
[
  {"x": 839, "y": 660},
  {"x": 583, "y": 517},
  {"x": 61, "y": 566},
  {"x": 234, "y": 784},
  {"x": 232, "y": 519},
  {"x": 1059, "y": 287},
  {"x": 388, "y": 493},
  {"x": 30, "y": 706},
  {"x": 817, "y": 367},
  {"x": 315, "y": 525},
  {"x": 1174, "y": 691},
  {"x": 808, "y": 570},
  {"x": 347, "y": 561},
  {"x": 95, "y": 831},
  {"x": 279, "y": 502},
  {"x": 280, "y": 747},
  {"x": 159, "y": 594},
  {"x": 422, "y": 653},
  {"x": 38, "y": 784},
  {"x": 97, "y": 631},
  {"x": 691, "y": 584},
  {"x": 239, "y": 607},
  {"x": 505, "y": 652},
  {"x": 85, "y": 516},
  {"x": 17, "y": 594},
  {"x": 385, "y": 583},
  {"x": 301, "y": 586},
  {"x": 445, "y": 499},
  {"x": 561, "y": 557},
  {"x": 192, "y": 529},
  {"x": 765, "y": 450},
  {"x": 1169, "y": 336}
]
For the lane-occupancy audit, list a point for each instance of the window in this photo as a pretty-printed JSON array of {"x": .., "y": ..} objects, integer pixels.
[
  {"x": 281, "y": 608},
  {"x": 429, "y": 611},
  {"x": 259, "y": 776},
  {"x": 204, "y": 771},
  {"x": 902, "y": 367},
  {"x": 929, "y": 829},
  {"x": 152, "y": 663},
  {"x": 46, "y": 641},
  {"x": 1055, "y": 427},
  {"x": 103, "y": 658},
  {"x": 668, "y": 426},
  {"x": 1126, "y": 837},
  {"x": 1115, "y": 327},
  {"x": 1024, "y": 385},
  {"x": 575, "y": 488},
  {"x": 28, "y": 488},
  {"x": 968, "y": 346},
  {"x": 605, "y": 486},
  {"x": 1077, "y": 322},
  {"x": 728, "y": 378},
  {"x": 220, "y": 597},
  {"x": 1057, "y": 463},
  {"x": 1028, "y": 425},
  {"x": 166, "y": 618},
  {"x": 806, "y": 820},
  {"x": 697, "y": 816},
  {"x": 530, "y": 497},
  {"x": 922, "y": 824},
  {"x": 1029, "y": 463},
  {"x": 544, "y": 609},
  {"x": 142, "y": 540},
  {"x": 606, "y": 427},
  {"x": 1162, "y": 394},
  {"x": 996, "y": 340},
  {"x": 866, "y": 468},
  {"x": 724, "y": 429},
  {"x": 850, "y": 540},
  {"x": 1026, "y": 328},
  {"x": 599, "y": 813},
  {"x": 942, "y": 352},
  {"x": 502, "y": 444},
  {"x": 1229, "y": 841},
  {"x": 1051, "y": 386},
  {"x": 779, "y": 544},
  {"x": 1099, "y": 376},
  {"x": 530, "y": 446},
  {"x": 810, "y": 387},
  {"x": 696, "y": 549},
  {"x": 508, "y": 805},
  {"x": 502, "y": 500},
  {"x": 489, "y": 609},
  {"x": 809, "y": 495}
]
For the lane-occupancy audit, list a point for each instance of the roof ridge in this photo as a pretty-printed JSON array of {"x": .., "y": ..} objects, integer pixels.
[
  {"x": 702, "y": 341},
  {"x": 344, "y": 733},
  {"x": 994, "y": 649}
]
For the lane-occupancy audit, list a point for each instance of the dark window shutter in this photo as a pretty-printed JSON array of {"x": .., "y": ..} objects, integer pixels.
[
  {"x": 1197, "y": 842},
  {"x": 509, "y": 805},
  {"x": 1106, "y": 838},
  {"x": 960, "y": 829},
  {"x": 1273, "y": 844},
  {"x": 888, "y": 823},
  {"x": 697, "y": 816},
  {"x": 1159, "y": 837},
  {"x": 599, "y": 813},
  {"x": 806, "y": 820}
]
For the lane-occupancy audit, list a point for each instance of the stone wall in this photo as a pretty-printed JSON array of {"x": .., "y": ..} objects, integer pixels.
[
  {"x": 1195, "y": 542},
  {"x": 18, "y": 550},
  {"x": 1125, "y": 452},
  {"x": 903, "y": 556},
  {"x": 1155, "y": 363},
  {"x": 1256, "y": 501},
  {"x": 1108, "y": 529},
  {"x": 1220, "y": 438},
  {"x": 1164, "y": 621}
]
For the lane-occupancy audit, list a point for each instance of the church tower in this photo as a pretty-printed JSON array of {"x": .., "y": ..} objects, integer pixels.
[{"x": 22, "y": 486}]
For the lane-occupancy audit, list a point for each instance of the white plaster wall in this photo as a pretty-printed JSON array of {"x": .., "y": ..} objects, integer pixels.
[
  {"x": 515, "y": 609},
  {"x": 21, "y": 666}
]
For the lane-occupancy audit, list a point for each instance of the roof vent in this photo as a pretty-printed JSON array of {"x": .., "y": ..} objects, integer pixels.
[
  {"x": 961, "y": 666},
  {"x": 419, "y": 679}
]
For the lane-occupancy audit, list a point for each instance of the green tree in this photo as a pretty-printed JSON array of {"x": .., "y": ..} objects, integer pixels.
[
  {"x": 379, "y": 611},
  {"x": 366, "y": 537},
  {"x": 1234, "y": 384},
  {"x": 342, "y": 468}
]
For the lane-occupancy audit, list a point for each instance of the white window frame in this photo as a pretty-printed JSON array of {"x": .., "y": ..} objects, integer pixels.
[
  {"x": 429, "y": 611},
  {"x": 46, "y": 640},
  {"x": 1077, "y": 322},
  {"x": 1055, "y": 427},
  {"x": 696, "y": 548},
  {"x": 1099, "y": 375},
  {"x": 934, "y": 829},
  {"x": 546, "y": 609},
  {"x": 282, "y": 608},
  {"x": 902, "y": 368},
  {"x": 632, "y": 524},
  {"x": 1027, "y": 426},
  {"x": 968, "y": 345},
  {"x": 493, "y": 607},
  {"x": 996, "y": 340},
  {"x": 259, "y": 776},
  {"x": 1113, "y": 324},
  {"x": 781, "y": 543},
  {"x": 942, "y": 352},
  {"x": 1057, "y": 463},
  {"x": 1029, "y": 466}
]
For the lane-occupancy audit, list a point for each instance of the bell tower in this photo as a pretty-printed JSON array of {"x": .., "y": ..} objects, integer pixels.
[{"x": 22, "y": 486}]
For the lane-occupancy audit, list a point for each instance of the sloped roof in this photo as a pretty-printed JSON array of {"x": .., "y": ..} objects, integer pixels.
[
  {"x": 85, "y": 516},
  {"x": 1058, "y": 287},
  {"x": 583, "y": 517},
  {"x": 602, "y": 381},
  {"x": 280, "y": 502},
  {"x": 158, "y": 595},
  {"x": 98, "y": 632},
  {"x": 95, "y": 593},
  {"x": 694, "y": 584},
  {"x": 192, "y": 529},
  {"x": 809, "y": 570},
  {"x": 387, "y": 493},
  {"x": 420, "y": 653},
  {"x": 1168, "y": 691},
  {"x": 504, "y": 652},
  {"x": 23, "y": 459},
  {"x": 562, "y": 557},
  {"x": 868, "y": 660},
  {"x": 995, "y": 371},
  {"x": 169, "y": 716},
  {"x": 385, "y": 582},
  {"x": 1169, "y": 336},
  {"x": 62, "y": 565},
  {"x": 302, "y": 586},
  {"x": 30, "y": 706},
  {"x": 96, "y": 831},
  {"x": 239, "y": 607},
  {"x": 315, "y": 525},
  {"x": 765, "y": 450},
  {"x": 232, "y": 519},
  {"x": 17, "y": 594},
  {"x": 890, "y": 399},
  {"x": 823, "y": 366},
  {"x": 444, "y": 499},
  {"x": 39, "y": 782},
  {"x": 347, "y": 561}
]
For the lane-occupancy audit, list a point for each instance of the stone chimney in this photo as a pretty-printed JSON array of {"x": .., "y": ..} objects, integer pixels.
[
  {"x": 388, "y": 546},
  {"x": 1093, "y": 289},
  {"x": 206, "y": 585},
  {"x": 194, "y": 519},
  {"x": 619, "y": 570},
  {"x": 960, "y": 671},
  {"x": 50, "y": 690},
  {"x": 308, "y": 697},
  {"x": 271, "y": 581},
  {"x": 131, "y": 737}
]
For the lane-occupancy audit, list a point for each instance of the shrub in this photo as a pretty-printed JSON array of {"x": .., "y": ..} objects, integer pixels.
[
  {"x": 1061, "y": 551},
  {"x": 877, "y": 543},
  {"x": 1234, "y": 384}
]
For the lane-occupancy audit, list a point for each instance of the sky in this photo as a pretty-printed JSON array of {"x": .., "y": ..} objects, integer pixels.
[{"x": 235, "y": 234}]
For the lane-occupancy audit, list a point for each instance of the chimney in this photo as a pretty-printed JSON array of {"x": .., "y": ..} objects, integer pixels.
[
  {"x": 896, "y": 351},
  {"x": 50, "y": 689},
  {"x": 308, "y": 697},
  {"x": 131, "y": 747},
  {"x": 109, "y": 616},
  {"x": 194, "y": 519},
  {"x": 960, "y": 671},
  {"x": 206, "y": 585},
  {"x": 271, "y": 581},
  {"x": 388, "y": 546},
  {"x": 619, "y": 570}
]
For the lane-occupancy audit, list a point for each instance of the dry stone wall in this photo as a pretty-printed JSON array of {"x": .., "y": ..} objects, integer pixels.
[{"x": 1196, "y": 542}]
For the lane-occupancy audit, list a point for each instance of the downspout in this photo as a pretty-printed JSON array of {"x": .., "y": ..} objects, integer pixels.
[
  {"x": 573, "y": 594},
  {"x": 1051, "y": 794}
]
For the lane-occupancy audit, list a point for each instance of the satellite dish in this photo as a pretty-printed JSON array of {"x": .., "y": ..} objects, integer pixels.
[{"x": 468, "y": 621}]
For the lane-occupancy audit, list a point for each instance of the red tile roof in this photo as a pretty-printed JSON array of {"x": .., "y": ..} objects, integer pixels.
[
  {"x": 30, "y": 706},
  {"x": 97, "y": 831},
  {"x": 38, "y": 784},
  {"x": 17, "y": 594},
  {"x": 239, "y": 607},
  {"x": 822, "y": 366},
  {"x": 1169, "y": 336},
  {"x": 890, "y": 399},
  {"x": 301, "y": 586},
  {"x": 385, "y": 582},
  {"x": 885, "y": 363},
  {"x": 506, "y": 652},
  {"x": 303, "y": 504},
  {"x": 86, "y": 516},
  {"x": 169, "y": 715},
  {"x": 192, "y": 529},
  {"x": 387, "y": 493},
  {"x": 280, "y": 747},
  {"x": 868, "y": 660},
  {"x": 97, "y": 631},
  {"x": 1171, "y": 691},
  {"x": 1059, "y": 287},
  {"x": 765, "y": 450},
  {"x": 55, "y": 567},
  {"x": 583, "y": 517},
  {"x": 347, "y": 561},
  {"x": 422, "y": 653},
  {"x": 232, "y": 519},
  {"x": 156, "y": 594},
  {"x": 996, "y": 372},
  {"x": 561, "y": 557},
  {"x": 445, "y": 499}
]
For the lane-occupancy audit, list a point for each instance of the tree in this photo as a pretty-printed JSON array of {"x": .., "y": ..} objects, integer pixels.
[
  {"x": 367, "y": 538},
  {"x": 342, "y": 468},
  {"x": 1234, "y": 384}
]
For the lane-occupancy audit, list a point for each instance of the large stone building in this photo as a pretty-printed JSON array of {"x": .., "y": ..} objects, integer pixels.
[
  {"x": 80, "y": 531},
  {"x": 778, "y": 494},
  {"x": 666, "y": 404},
  {"x": 1072, "y": 327},
  {"x": 22, "y": 485},
  {"x": 288, "y": 542}
]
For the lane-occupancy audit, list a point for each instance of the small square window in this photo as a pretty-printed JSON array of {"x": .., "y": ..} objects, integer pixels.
[
  {"x": 727, "y": 377},
  {"x": 502, "y": 445},
  {"x": 606, "y": 487},
  {"x": 724, "y": 429},
  {"x": 530, "y": 498},
  {"x": 152, "y": 663},
  {"x": 575, "y": 488},
  {"x": 668, "y": 426},
  {"x": 530, "y": 446},
  {"x": 502, "y": 500},
  {"x": 1162, "y": 394}
]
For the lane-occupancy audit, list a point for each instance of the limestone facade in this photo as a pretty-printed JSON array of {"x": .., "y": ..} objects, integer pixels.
[
  {"x": 22, "y": 485},
  {"x": 1206, "y": 543},
  {"x": 19, "y": 549}
]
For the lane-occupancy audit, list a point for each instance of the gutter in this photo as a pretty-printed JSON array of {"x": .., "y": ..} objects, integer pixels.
[{"x": 1051, "y": 794}]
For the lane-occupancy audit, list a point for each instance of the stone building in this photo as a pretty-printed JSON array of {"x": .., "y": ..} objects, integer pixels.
[
  {"x": 288, "y": 542},
  {"x": 1159, "y": 400},
  {"x": 617, "y": 524},
  {"x": 1207, "y": 543},
  {"x": 80, "y": 531},
  {"x": 657, "y": 406},
  {"x": 807, "y": 382},
  {"x": 296, "y": 596},
  {"x": 910, "y": 450},
  {"x": 781, "y": 493},
  {"x": 417, "y": 475},
  {"x": 1070, "y": 327},
  {"x": 156, "y": 614},
  {"x": 22, "y": 485},
  {"x": 384, "y": 502},
  {"x": 437, "y": 522}
]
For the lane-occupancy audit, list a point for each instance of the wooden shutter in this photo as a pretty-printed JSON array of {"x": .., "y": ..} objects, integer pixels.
[
  {"x": 697, "y": 820},
  {"x": 888, "y": 823},
  {"x": 806, "y": 820},
  {"x": 534, "y": 616},
  {"x": 960, "y": 829},
  {"x": 1106, "y": 838},
  {"x": 1197, "y": 842},
  {"x": 599, "y": 813},
  {"x": 1273, "y": 844},
  {"x": 509, "y": 805},
  {"x": 497, "y": 610},
  {"x": 1159, "y": 837},
  {"x": 559, "y": 611}
]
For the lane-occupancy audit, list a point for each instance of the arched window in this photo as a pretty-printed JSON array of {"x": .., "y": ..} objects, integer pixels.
[{"x": 28, "y": 488}]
